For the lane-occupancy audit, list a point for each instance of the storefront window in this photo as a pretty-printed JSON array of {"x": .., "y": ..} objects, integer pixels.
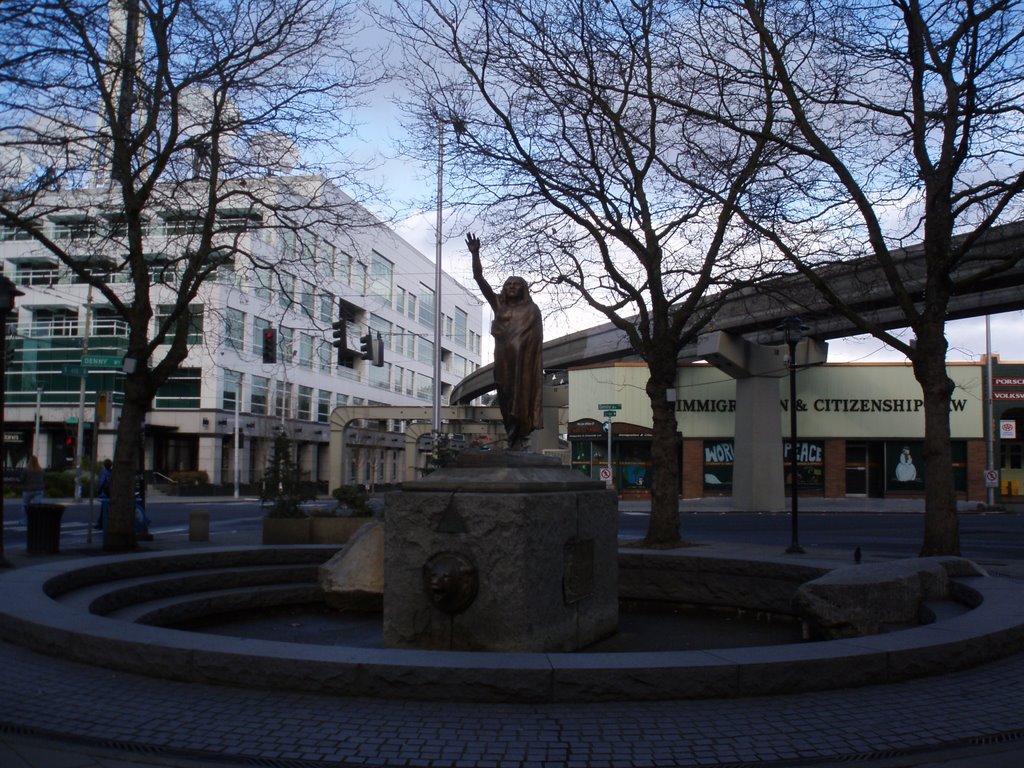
[
  {"x": 905, "y": 467},
  {"x": 718, "y": 459},
  {"x": 810, "y": 465}
]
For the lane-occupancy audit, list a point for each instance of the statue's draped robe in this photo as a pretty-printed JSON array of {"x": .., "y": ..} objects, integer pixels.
[{"x": 518, "y": 336}]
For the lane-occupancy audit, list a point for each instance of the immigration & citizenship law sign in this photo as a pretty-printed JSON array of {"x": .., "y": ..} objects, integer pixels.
[{"x": 834, "y": 400}]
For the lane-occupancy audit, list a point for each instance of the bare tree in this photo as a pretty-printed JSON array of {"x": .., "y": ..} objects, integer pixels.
[
  {"x": 901, "y": 121},
  {"x": 188, "y": 114},
  {"x": 591, "y": 180}
]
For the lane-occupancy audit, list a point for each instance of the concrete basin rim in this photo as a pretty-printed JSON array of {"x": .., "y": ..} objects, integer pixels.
[{"x": 32, "y": 616}]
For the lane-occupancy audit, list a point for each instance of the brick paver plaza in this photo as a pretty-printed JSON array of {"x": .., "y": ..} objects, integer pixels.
[{"x": 89, "y": 716}]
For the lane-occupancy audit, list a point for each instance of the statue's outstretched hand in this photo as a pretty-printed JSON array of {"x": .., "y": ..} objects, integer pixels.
[{"x": 473, "y": 243}]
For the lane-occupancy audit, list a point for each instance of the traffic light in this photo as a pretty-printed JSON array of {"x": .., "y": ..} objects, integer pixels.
[
  {"x": 103, "y": 407},
  {"x": 372, "y": 348},
  {"x": 269, "y": 345},
  {"x": 340, "y": 340},
  {"x": 69, "y": 447}
]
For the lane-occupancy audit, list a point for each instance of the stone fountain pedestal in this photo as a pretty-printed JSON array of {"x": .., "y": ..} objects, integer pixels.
[{"x": 505, "y": 551}]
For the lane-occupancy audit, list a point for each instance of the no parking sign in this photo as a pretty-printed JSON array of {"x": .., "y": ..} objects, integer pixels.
[{"x": 991, "y": 478}]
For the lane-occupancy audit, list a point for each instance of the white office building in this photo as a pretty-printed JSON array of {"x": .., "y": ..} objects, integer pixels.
[{"x": 225, "y": 394}]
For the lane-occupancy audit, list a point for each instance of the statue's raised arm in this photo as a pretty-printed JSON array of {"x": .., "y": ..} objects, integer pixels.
[{"x": 518, "y": 333}]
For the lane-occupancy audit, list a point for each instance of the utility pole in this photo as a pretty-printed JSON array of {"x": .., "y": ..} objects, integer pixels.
[{"x": 79, "y": 451}]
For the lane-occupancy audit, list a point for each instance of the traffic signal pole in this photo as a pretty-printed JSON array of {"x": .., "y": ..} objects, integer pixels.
[{"x": 81, "y": 400}]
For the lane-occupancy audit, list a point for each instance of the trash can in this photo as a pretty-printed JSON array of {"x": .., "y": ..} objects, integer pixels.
[
  {"x": 43, "y": 537},
  {"x": 198, "y": 526}
]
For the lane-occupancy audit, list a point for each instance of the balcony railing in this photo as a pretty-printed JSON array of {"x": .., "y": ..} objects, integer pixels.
[{"x": 72, "y": 327}]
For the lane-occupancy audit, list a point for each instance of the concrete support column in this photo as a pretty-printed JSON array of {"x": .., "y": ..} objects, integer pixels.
[
  {"x": 757, "y": 479},
  {"x": 210, "y": 456},
  {"x": 757, "y": 472}
]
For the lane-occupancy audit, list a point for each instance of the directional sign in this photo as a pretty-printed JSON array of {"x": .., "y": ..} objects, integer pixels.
[
  {"x": 609, "y": 414},
  {"x": 101, "y": 361},
  {"x": 609, "y": 407},
  {"x": 72, "y": 370}
]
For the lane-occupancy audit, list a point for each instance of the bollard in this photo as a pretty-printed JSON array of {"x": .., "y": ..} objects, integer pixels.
[{"x": 198, "y": 526}]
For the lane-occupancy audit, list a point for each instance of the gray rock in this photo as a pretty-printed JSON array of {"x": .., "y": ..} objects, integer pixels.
[
  {"x": 862, "y": 600},
  {"x": 353, "y": 580}
]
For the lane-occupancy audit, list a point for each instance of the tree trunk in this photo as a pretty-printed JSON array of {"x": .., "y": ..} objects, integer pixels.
[
  {"x": 941, "y": 527},
  {"x": 120, "y": 527},
  {"x": 663, "y": 528}
]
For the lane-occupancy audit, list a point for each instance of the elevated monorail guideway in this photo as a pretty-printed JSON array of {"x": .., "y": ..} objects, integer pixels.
[{"x": 744, "y": 338}]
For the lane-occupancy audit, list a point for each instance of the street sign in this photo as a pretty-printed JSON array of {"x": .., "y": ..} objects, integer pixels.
[
  {"x": 609, "y": 407},
  {"x": 72, "y": 370},
  {"x": 991, "y": 478},
  {"x": 606, "y": 474},
  {"x": 609, "y": 414},
  {"x": 71, "y": 420},
  {"x": 101, "y": 361}
]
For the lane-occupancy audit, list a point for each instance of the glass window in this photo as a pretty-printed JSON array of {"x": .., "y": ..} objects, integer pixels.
[
  {"x": 400, "y": 301},
  {"x": 426, "y": 314},
  {"x": 287, "y": 294},
  {"x": 181, "y": 390},
  {"x": 306, "y": 299},
  {"x": 424, "y": 350},
  {"x": 461, "y": 325},
  {"x": 285, "y": 345},
  {"x": 324, "y": 355},
  {"x": 343, "y": 268},
  {"x": 424, "y": 387},
  {"x": 195, "y": 325},
  {"x": 327, "y": 308},
  {"x": 380, "y": 377},
  {"x": 234, "y": 329},
  {"x": 264, "y": 279},
  {"x": 306, "y": 350},
  {"x": 305, "y": 403},
  {"x": 382, "y": 273},
  {"x": 289, "y": 243},
  {"x": 232, "y": 385},
  {"x": 259, "y": 395},
  {"x": 323, "y": 406},
  {"x": 383, "y": 327},
  {"x": 282, "y": 399}
]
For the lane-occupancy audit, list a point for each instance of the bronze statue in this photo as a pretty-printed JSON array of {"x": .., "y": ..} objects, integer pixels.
[{"x": 518, "y": 335}]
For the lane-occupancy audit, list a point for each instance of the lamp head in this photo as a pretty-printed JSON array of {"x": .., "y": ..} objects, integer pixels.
[{"x": 793, "y": 327}]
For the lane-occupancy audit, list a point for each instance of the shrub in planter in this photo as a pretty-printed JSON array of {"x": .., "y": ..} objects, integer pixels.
[
  {"x": 354, "y": 499},
  {"x": 191, "y": 478},
  {"x": 282, "y": 484}
]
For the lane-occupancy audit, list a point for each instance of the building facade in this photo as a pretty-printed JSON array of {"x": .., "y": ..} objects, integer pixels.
[
  {"x": 860, "y": 429},
  {"x": 219, "y": 412}
]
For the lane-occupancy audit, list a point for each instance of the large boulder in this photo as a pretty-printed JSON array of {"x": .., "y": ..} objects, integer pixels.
[
  {"x": 864, "y": 599},
  {"x": 353, "y": 580}
]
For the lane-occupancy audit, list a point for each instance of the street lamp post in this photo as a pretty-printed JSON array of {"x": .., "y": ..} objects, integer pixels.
[
  {"x": 8, "y": 293},
  {"x": 435, "y": 421},
  {"x": 794, "y": 329},
  {"x": 459, "y": 127}
]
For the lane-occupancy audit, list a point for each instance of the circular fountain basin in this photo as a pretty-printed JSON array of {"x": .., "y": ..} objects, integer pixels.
[{"x": 112, "y": 611}]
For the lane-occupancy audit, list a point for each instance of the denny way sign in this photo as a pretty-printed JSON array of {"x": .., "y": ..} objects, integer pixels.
[{"x": 101, "y": 361}]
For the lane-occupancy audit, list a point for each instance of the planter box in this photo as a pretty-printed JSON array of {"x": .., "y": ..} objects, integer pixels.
[
  {"x": 286, "y": 530},
  {"x": 311, "y": 530}
]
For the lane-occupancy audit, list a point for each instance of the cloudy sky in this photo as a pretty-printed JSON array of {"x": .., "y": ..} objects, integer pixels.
[{"x": 411, "y": 189}]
